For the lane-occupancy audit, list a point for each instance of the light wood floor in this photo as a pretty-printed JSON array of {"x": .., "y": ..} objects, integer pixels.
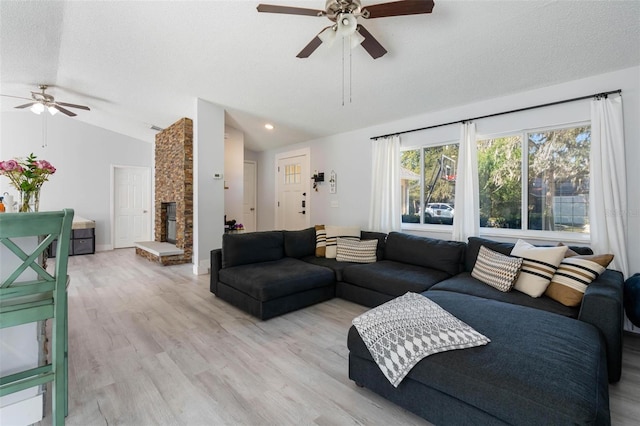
[{"x": 150, "y": 345}]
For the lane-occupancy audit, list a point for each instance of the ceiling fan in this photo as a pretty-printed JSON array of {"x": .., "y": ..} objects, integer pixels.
[
  {"x": 344, "y": 14},
  {"x": 42, "y": 101}
]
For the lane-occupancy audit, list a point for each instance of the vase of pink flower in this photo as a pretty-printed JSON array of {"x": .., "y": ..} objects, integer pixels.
[{"x": 27, "y": 176}]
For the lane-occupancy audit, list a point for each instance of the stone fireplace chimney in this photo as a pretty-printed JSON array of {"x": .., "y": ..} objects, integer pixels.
[{"x": 174, "y": 184}]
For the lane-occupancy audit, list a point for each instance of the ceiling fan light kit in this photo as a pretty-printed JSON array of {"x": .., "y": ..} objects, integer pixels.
[
  {"x": 42, "y": 100},
  {"x": 345, "y": 14}
]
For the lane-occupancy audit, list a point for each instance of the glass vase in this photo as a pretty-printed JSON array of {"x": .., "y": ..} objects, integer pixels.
[{"x": 29, "y": 201}]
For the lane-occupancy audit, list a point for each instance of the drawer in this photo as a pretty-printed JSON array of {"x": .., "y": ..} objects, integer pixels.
[
  {"x": 83, "y": 233},
  {"x": 83, "y": 246},
  {"x": 53, "y": 249}
]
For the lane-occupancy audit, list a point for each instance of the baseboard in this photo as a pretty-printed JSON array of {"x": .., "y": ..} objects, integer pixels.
[
  {"x": 202, "y": 268},
  {"x": 25, "y": 412}
]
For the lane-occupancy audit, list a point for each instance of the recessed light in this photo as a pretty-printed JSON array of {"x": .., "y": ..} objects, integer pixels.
[{"x": 268, "y": 126}]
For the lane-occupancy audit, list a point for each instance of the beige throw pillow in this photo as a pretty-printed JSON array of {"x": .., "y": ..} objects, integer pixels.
[
  {"x": 333, "y": 232},
  {"x": 574, "y": 275},
  {"x": 539, "y": 264},
  {"x": 321, "y": 241}
]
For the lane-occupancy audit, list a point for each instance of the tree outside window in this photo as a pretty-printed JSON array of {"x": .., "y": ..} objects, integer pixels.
[
  {"x": 500, "y": 182},
  {"x": 558, "y": 179}
]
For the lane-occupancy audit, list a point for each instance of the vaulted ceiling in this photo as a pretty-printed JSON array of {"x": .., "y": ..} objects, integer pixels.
[{"x": 143, "y": 63}]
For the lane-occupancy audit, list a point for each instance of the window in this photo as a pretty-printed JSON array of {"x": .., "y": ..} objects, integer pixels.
[
  {"x": 500, "y": 182},
  {"x": 535, "y": 180},
  {"x": 428, "y": 177},
  {"x": 292, "y": 174},
  {"x": 558, "y": 179},
  {"x": 553, "y": 195}
]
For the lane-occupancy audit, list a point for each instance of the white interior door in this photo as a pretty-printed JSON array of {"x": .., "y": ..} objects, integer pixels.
[
  {"x": 132, "y": 214},
  {"x": 293, "y": 181},
  {"x": 249, "y": 200}
]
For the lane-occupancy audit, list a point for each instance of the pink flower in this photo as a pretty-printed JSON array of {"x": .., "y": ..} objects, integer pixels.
[
  {"x": 46, "y": 166},
  {"x": 10, "y": 166}
]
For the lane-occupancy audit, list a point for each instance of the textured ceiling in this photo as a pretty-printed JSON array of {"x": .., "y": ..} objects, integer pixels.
[{"x": 145, "y": 62}]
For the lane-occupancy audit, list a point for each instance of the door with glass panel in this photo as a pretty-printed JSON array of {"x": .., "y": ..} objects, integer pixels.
[{"x": 292, "y": 204}]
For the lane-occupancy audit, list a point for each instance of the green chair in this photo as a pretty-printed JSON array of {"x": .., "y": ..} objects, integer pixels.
[{"x": 45, "y": 297}]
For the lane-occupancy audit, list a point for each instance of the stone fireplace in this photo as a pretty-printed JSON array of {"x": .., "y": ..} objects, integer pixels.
[{"x": 173, "y": 196}]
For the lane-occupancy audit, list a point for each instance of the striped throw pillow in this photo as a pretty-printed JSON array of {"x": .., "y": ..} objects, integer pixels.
[
  {"x": 496, "y": 269},
  {"x": 574, "y": 275},
  {"x": 539, "y": 264},
  {"x": 333, "y": 232},
  {"x": 363, "y": 251},
  {"x": 321, "y": 241}
]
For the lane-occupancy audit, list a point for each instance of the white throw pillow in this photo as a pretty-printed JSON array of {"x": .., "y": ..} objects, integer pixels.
[
  {"x": 333, "y": 232},
  {"x": 363, "y": 251},
  {"x": 539, "y": 264}
]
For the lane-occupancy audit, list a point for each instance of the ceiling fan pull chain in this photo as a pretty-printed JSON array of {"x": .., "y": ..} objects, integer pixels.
[
  {"x": 44, "y": 130},
  {"x": 350, "y": 67},
  {"x": 343, "y": 71}
]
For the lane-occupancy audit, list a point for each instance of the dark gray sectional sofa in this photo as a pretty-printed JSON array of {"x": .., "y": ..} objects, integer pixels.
[{"x": 546, "y": 363}]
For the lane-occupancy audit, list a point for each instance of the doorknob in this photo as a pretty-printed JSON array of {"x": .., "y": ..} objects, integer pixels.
[
  {"x": 144, "y": 211},
  {"x": 252, "y": 209},
  {"x": 303, "y": 212}
]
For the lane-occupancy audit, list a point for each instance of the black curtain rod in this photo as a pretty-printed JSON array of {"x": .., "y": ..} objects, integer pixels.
[{"x": 595, "y": 95}]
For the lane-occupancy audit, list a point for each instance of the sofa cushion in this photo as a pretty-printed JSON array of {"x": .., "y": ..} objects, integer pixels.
[
  {"x": 382, "y": 241},
  {"x": 466, "y": 284},
  {"x": 496, "y": 269},
  {"x": 392, "y": 278},
  {"x": 333, "y": 264},
  {"x": 539, "y": 264},
  {"x": 473, "y": 247},
  {"x": 402, "y": 331},
  {"x": 270, "y": 280},
  {"x": 299, "y": 244},
  {"x": 538, "y": 369},
  {"x": 252, "y": 247},
  {"x": 363, "y": 251},
  {"x": 446, "y": 256}
]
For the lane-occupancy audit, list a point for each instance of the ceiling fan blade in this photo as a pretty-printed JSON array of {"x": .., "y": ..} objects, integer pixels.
[
  {"x": 370, "y": 44},
  {"x": 86, "y": 108},
  {"x": 271, "y": 8},
  {"x": 17, "y": 97},
  {"x": 26, "y": 105},
  {"x": 312, "y": 46},
  {"x": 398, "y": 8},
  {"x": 64, "y": 111}
]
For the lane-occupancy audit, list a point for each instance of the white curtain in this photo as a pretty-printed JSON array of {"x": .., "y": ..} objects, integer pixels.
[
  {"x": 467, "y": 206},
  {"x": 384, "y": 213},
  {"x": 607, "y": 183}
]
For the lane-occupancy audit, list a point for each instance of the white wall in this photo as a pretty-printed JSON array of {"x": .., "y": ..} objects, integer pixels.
[
  {"x": 208, "y": 193},
  {"x": 349, "y": 154},
  {"x": 82, "y": 154},
  {"x": 233, "y": 173}
]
